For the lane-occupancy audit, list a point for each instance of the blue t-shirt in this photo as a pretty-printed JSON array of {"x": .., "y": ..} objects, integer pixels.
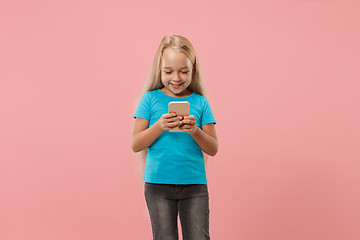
[{"x": 174, "y": 157}]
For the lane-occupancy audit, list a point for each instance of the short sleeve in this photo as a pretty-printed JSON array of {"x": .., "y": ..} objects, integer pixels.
[
  {"x": 207, "y": 115},
  {"x": 143, "y": 110}
]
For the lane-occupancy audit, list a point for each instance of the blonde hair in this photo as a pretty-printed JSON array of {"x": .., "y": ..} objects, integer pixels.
[{"x": 153, "y": 81}]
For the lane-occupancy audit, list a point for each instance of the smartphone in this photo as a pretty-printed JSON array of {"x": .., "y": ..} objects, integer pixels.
[{"x": 180, "y": 108}]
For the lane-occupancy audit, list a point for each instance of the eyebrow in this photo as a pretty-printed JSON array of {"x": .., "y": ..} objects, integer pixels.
[{"x": 180, "y": 68}]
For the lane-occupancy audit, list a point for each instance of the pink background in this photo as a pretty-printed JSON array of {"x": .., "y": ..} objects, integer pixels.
[{"x": 283, "y": 80}]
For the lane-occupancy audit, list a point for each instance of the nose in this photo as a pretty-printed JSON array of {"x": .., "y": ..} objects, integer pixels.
[{"x": 176, "y": 76}]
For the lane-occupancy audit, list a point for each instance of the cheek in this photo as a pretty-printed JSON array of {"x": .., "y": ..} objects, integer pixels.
[
  {"x": 187, "y": 76},
  {"x": 188, "y": 79},
  {"x": 165, "y": 77},
  {"x": 163, "y": 80}
]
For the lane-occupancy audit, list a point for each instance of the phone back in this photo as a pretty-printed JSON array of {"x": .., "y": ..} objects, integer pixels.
[{"x": 180, "y": 108}]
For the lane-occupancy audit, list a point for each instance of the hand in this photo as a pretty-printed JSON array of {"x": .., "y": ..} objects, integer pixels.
[
  {"x": 169, "y": 121},
  {"x": 189, "y": 125}
]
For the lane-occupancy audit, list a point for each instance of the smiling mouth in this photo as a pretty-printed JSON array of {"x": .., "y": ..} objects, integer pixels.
[{"x": 176, "y": 86}]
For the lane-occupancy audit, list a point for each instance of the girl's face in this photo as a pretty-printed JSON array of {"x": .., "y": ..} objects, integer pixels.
[{"x": 176, "y": 72}]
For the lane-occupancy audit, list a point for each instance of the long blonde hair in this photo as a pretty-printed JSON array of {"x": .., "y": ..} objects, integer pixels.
[{"x": 153, "y": 82}]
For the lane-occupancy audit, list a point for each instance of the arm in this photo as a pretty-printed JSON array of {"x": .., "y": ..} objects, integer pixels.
[
  {"x": 206, "y": 138},
  {"x": 143, "y": 135}
]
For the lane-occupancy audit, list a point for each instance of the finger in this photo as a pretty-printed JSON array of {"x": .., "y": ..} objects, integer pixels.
[
  {"x": 170, "y": 115},
  {"x": 188, "y": 121},
  {"x": 176, "y": 123},
  {"x": 175, "y": 119},
  {"x": 182, "y": 127}
]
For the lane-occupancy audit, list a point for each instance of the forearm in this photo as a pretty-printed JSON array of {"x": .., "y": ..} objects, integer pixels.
[
  {"x": 144, "y": 139},
  {"x": 206, "y": 142}
]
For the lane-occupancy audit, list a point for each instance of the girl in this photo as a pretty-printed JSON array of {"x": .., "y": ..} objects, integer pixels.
[{"x": 175, "y": 176}]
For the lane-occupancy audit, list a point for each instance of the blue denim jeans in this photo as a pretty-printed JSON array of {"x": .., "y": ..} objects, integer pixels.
[{"x": 190, "y": 201}]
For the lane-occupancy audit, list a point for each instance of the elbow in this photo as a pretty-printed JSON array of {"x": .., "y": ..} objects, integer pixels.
[
  {"x": 215, "y": 150},
  {"x": 213, "y": 153},
  {"x": 134, "y": 149},
  {"x": 134, "y": 146}
]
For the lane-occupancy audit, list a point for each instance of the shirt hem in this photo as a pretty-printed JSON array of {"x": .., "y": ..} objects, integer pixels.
[{"x": 175, "y": 182}]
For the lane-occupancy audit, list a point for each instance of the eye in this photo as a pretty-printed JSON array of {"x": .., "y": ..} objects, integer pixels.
[{"x": 171, "y": 72}]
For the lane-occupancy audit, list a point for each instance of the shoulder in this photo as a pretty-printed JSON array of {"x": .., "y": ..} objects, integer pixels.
[
  {"x": 150, "y": 94},
  {"x": 201, "y": 99},
  {"x": 152, "y": 91}
]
